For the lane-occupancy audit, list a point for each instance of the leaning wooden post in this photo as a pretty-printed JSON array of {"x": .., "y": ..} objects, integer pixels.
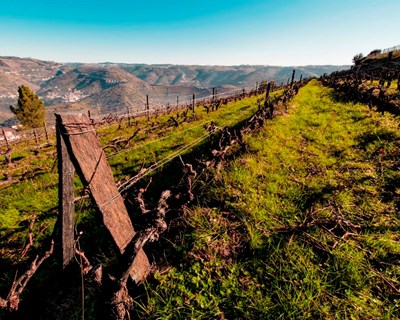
[
  {"x": 301, "y": 78},
  {"x": 91, "y": 165},
  {"x": 66, "y": 205},
  {"x": 293, "y": 74},
  {"x": 129, "y": 117},
  {"x": 45, "y": 132},
  {"x": 6, "y": 139},
  {"x": 147, "y": 107},
  {"x": 7, "y": 153},
  {"x": 36, "y": 136},
  {"x": 267, "y": 91},
  {"x": 193, "y": 102},
  {"x": 177, "y": 102}
]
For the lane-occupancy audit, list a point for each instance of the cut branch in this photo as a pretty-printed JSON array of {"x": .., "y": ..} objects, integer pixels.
[{"x": 18, "y": 286}]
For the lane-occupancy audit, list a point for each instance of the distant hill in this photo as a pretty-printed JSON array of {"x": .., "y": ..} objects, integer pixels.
[
  {"x": 213, "y": 76},
  {"x": 109, "y": 87}
]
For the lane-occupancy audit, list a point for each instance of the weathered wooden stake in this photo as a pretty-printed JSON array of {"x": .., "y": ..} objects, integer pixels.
[
  {"x": 293, "y": 74},
  {"x": 301, "y": 77},
  {"x": 36, "y": 136},
  {"x": 129, "y": 117},
  {"x": 213, "y": 95},
  {"x": 147, "y": 107},
  {"x": 6, "y": 139},
  {"x": 45, "y": 132},
  {"x": 267, "y": 91},
  {"x": 177, "y": 102},
  {"x": 66, "y": 205},
  {"x": 256, "y": 87},
  {"x": 193, "y": 102},
  {"x": 91, "y": 165}
]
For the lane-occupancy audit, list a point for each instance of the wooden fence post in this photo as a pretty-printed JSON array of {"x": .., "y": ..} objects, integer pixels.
[
  {"x": 36, "y": 136},
  {"x": 177, "y": 102},
  {"x": 147, "y": 107},
  {"x": 66, "y": 207},
  {"x": 7, "y": 153},
  {"x": 6, "y": 139},
  {"x": 267, "y": 91},
  {"x": 129, "y": 117},
  {"x": 213, "y": 95},
  {"x": 45, "y": 132},
  {"x": 91, "y": 165},
  {"x": 193, "y": 102},
  {"x": 293, "y": 74}
]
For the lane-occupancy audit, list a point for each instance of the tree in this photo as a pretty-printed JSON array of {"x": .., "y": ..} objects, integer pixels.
[
  {"x": 30, "y": 111},
  {"x": 357, "y": 59}
]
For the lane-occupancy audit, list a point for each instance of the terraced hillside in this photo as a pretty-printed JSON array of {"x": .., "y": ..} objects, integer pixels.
[
  {"x": 111, "y": 87},
  {"x": 298, "y": 220}
]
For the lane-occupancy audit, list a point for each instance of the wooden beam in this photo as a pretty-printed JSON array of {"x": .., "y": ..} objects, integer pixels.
[
  {"x": 66, "y": 205},
  {"x": 93, "y": 169}
]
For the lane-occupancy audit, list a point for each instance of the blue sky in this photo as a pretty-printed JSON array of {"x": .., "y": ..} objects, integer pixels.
[{"x": 207, "y": 32}]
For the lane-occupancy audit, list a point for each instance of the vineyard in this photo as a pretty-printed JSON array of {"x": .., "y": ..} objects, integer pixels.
[
  {"x": 375, "y": 81},
  {"x": 260, "y": 204},
  {"x": 141, "y": 145}
]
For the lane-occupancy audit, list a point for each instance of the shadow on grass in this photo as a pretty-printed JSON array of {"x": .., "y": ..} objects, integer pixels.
[
  {"x": 381, "y": 106},
  {"x": 386, "y": 159},
  {"x": 382, "y": 136}
]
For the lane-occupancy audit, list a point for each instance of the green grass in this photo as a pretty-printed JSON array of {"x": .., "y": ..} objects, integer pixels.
[
  {"x": 37, "y": 194},
  {"x": 305, "y": 225}
]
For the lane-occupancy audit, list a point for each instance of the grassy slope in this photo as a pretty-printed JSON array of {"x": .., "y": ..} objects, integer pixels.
[
  {"x": 37, "y": 195},
  {"x": 304, "y": 225}
]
